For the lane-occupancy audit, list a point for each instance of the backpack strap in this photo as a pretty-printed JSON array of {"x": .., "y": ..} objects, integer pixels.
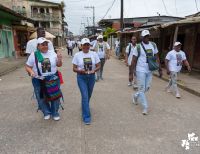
[
  {"x": 138, "y": 50},
  {"x": 129, "y": 50},
  {"x": 36, "y": 63}
]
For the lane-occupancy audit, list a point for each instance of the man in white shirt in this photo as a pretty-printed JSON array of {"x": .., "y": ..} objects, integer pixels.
[
  {"x": 141, "y": 53},
  {"x": 117, "y": 47},
  {"x": 174, "y": 61},
  {"x": 128, "y": 59},
  {"x": 70, "y": 46},
  {"x": 103, "y": 50},
  {"x": 32, "y": 44}
]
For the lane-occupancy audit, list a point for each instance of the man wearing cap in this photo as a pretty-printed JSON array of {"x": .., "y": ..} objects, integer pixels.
[
  {"x": 32, "y": 44},
  {"x": 173, "y": 62},
  {"x": 141, "y": 53},
  {"x": 85, "y": 64},
  {"x": 103, "y": 50}
]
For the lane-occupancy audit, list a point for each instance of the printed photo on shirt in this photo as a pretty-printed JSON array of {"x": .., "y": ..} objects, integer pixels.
[
  {"x": 149, "y": 53},
  {"x": 101, "y": 47},
  {"x": 87, "y": 64},
  {"x": 46, "y": 65},
  {"x": 179, "y": 59}
]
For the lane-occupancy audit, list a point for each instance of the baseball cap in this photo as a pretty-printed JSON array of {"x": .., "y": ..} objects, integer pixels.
[
  {"x": 100, "y": 37},
  {"x": 177, "y": 43},
  {"x": 85, "y": 40},
  {"x": 145, "y": 33},
  {"x": 41, "y": 40}
]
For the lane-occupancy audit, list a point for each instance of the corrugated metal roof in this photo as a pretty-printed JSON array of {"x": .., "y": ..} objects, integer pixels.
[{"x": 184, "y": 21}]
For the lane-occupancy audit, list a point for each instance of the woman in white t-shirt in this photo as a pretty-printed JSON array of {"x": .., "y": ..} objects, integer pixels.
[
  {"x": 173, "y": 61},
  {"x": 85, "y": 64},
  {"x": 42, "y": 64}
]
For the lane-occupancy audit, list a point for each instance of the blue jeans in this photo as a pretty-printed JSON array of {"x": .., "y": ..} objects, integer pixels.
[
  {"x": 117, "y": 51},
  {"x": 143, "y": 82},
  {"x": 47, "y": 108},
  {"x": 86, "y": 85}
]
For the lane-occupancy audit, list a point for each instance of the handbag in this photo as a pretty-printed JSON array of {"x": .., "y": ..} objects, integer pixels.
[{"x": 151, "y": 60}]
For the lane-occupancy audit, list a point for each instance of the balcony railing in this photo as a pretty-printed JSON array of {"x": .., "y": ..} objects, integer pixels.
[{"x": 45, "y": 17}]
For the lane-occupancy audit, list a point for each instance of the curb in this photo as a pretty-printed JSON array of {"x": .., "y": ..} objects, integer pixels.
[
  {"x": 11, "y": 69},
  {"x": 194, "y": 92}
]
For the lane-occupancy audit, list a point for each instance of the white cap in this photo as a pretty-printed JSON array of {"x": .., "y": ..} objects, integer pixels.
[
  {"x": 177, "y": 43},
  {"x": 41, "y": 40},
  {"x": 100, "y": 37},
  {"x": 85, "y": 40},
  {"x": 145, "y": 33}
]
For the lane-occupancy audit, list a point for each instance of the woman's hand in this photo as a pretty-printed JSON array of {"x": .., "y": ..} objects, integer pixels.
[{"x": 59, "y": 62}]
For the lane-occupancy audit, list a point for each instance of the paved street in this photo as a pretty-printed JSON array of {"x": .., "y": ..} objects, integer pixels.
[{"x": 118, "y": 127}]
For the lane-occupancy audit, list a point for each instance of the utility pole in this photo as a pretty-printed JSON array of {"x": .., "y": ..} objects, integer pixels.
[
  {"x": 93, "y": 8},
  {"x": 121, "y": 28}
]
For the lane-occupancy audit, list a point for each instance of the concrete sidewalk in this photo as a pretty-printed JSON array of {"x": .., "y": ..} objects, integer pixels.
[
  {"x": 186, "y": 81},
  {"x": 10, "y": 64}
]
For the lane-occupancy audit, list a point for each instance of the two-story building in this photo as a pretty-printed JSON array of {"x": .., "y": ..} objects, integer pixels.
[{"x": 45, "y": 14}]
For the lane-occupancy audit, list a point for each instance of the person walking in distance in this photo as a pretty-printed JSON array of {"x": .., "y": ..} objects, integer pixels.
[
  {"x": 145, "y": 61},
  {"x": 128, "y": 61},
  {"x": 85, "y": 64},
  {"x": 103, "y": 50},
  {"x": 70, "y": 46},
  {"x": 173, "y": 61}
]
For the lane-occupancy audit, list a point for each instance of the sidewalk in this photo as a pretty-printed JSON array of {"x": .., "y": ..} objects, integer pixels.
[
  {"x": 10, "y": 64},
  {"x": 186, "y": 81}
]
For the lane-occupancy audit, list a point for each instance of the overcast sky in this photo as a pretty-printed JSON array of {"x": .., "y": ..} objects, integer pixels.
[{"x": 76, "y": 14}]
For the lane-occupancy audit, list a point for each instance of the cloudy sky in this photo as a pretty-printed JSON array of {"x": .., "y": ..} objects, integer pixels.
[{"x": 76, "y": 14}]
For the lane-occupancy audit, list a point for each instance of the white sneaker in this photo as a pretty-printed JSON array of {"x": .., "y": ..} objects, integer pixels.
[
  {"x": 135, "y": 86},
  {"x": 47, "y": 117},
  {"x": 130, "y": 84},
  {"x": 56, "y": 118},
  {"x": 169, "y": 91},
  {"x": 135, "y": 99},
  {"x": 178, "y": 95},
  {"x": 144, "y": 112}
]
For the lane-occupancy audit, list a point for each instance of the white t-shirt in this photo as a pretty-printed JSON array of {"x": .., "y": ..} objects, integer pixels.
[
  {"x": 175, "y": 60},
  {"x": 32, "y": 46},
  {"x": 142, "y": 65},
  {"x": 131, "y": 53},
  {"x": 116, "y": 44},
  {"x": 93, "y": 44},
  {"x": 101, "y": 49},
  {"x": 70, "y": 44},
  {"x": 86, "y": 61},
  {"x": 47, "y": 67}
]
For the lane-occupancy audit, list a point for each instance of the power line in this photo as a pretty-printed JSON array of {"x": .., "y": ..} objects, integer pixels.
[
  {"x": 196, "y": 6},
  {"x": 165, "y": 7},
  {"x": 176, "y": 6},
  {"x": 108, "y": 9}
]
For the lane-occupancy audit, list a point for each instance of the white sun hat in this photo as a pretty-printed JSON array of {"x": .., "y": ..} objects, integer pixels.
[
  {"x": 85, "y": 40},
  {"x": 145, "y": 33},
  {"x": 177, "y": 43}
]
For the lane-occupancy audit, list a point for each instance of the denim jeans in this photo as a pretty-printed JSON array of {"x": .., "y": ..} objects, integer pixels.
[
  {"x": 47, "y": 108},
  {"x": 86, "y": 85},
  {"x": 143, "y": 82},
  {"x": 117, "y": 51},
  {"x": 100, "y": 71},
  {"x": 173, "y": 82}
]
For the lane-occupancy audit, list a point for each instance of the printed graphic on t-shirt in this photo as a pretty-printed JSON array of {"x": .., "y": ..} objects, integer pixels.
[
  {"x": 46, "y": 65},
  {"x": 179, "y": 59},
  {"x": 101, "y": 47},
  {"x": 149, "y": 53},
  {"x": 87, "y": 64}
]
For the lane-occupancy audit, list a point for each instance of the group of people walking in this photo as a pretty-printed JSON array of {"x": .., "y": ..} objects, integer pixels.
[{"x": 141, "y": 58}]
